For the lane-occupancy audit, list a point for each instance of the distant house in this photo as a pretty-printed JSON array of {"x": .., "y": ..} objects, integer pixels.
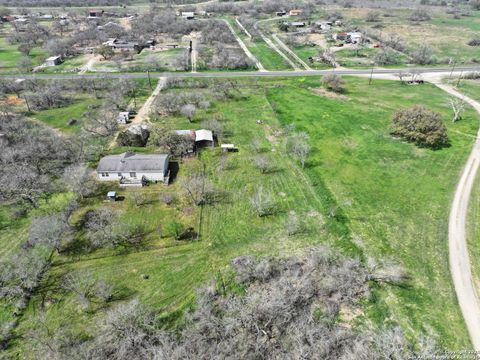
[
  {"x": 323, "y": 25},
  {"x": 340, "y": 36},
  {"x": 8, "y": 18},
  {"x": 297, "y": 24},
  {"x": 123, "y": 117},
  {"x": 122, "y": 45},
  {"x": 189, "y": 15},
  {"x": 95, "y": 13},
  {"x": 354, "y": 37},
  {"x": 53, "y": 61},
  {"x": 134, "y": 168},
  {"x": 295, "y": 12}
]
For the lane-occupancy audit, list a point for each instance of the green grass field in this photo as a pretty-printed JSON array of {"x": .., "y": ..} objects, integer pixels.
[
  {"x": 165, "y": 59},
  {"x": 305, "y": 52},
  {"x": 399, "y": 194},
  {"x": 268, "y": 57},
  {"x": 81, "y": 105},
  {"x": 447, "y": 36},
  {"x": 362, "y": 191},
  {"x": 9, "y": 56}
]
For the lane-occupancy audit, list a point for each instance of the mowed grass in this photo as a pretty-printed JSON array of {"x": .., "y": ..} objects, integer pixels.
[
  {"x": 83, "y": 105},
  {"x": 268, "y": 57},
  {"x": 58, "y": 118},
  {"x": 305, "y": 52},
  {"x": 398, "y": 195},
  {"x": 363, "y": 191},
  {"x": 9, "y": 56}
]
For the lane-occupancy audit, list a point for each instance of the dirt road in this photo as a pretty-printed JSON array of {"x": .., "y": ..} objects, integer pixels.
[
  {"x": 460, "y": 270},
  {"x": 272, "y": 45},
  {"x": 92, "y": 60},
  {"x": 144, "y": 112},
  {"x": 289, "y": 51},
  {"x": 457, "y": 241},
  {"x": 247, "y": 52},
  {"x": 194, "y": 53}
]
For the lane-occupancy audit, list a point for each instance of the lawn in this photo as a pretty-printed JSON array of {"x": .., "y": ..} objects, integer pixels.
[
  {"x": 305, "y": 52},
  {"x": 363, "y": 191},
  {"x": 58, "y": 118},
  {"x": 83, "y": 104},
  {"x": 9, "y": 56},
  {"x": 469, "y": 87}
]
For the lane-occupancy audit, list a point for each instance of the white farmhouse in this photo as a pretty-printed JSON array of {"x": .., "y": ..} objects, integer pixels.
[{"x": 131, "y": 167}]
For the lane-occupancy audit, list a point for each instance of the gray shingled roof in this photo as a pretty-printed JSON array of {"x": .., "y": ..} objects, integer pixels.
[{"x": 131, "y": 162}]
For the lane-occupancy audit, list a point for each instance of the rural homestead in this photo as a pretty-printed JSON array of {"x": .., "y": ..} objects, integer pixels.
[{"x": 275, "y": 179}]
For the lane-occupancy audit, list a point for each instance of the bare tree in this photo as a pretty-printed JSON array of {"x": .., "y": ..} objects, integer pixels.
[
  {"x": 264, "y": 164},
  {"x": 103, "y": 124},
  {"x": 79, "y": 179},
  {"x": 188, "y": 111},
  {"x": 87, "y": 288},
  {"x": 297, "y": 146},
  {"x": 48, "y": 231},
  {"x": 333, "y": 82},
  {"x": 197, "y": 188},
  {"x": 458, "y": 107},
  {"x": 293, "y": 225},
  {"x": 262, "y": 202}
]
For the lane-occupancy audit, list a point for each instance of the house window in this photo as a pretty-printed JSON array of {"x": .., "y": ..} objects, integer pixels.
[
  {"x": 107, "y": 174},
  {"x": 133, "y": 174},
  {"x": 119, "y": 174}
]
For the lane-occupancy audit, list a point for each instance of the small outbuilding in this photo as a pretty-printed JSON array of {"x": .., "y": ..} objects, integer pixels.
[
  {"x": 229, "y": 148},
  {"x": 95, "y": 13},
  {"x": 112, "y": 196},
  {"x": 295, "y": 12},
  {"x": 123, "y": 117},
  {"x": 53, "y": 61},
  {"x": 188, "y": 15},
  {"x": 204, "y": 138}
]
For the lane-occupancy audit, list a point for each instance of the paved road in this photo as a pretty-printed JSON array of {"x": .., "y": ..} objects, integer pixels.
[{"x": 223, "y": 74}]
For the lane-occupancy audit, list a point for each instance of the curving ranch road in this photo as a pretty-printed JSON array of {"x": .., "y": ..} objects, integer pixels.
[{"x": 457, "y": 241}]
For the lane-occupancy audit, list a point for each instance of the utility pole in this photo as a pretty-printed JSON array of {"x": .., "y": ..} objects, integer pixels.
[
  {"x": 453, "y": 62},
  {"x": 459, "y": 78},
  {"x": 371, "y": 76},
  {"x": 26, "y": 102},
  {"x": 149, "y": 80}
]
